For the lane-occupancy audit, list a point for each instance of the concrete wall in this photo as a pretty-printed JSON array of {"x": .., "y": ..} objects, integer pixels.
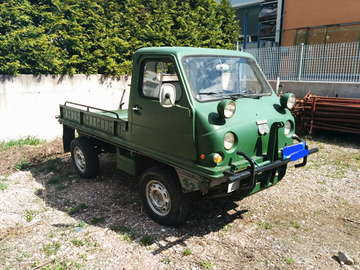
[
  {"x": 28, "y": 103},
  {"x": 330, "y": 89}
]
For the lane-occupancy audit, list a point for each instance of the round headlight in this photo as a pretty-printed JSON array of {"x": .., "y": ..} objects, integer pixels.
[
  {"x": 288, "y": 101},
  {"x": 287, "y": 128},
  {"x": 229, "y": 140},
  {"x": 226, "y": 108},
  {"x": 217, "y": 158}
]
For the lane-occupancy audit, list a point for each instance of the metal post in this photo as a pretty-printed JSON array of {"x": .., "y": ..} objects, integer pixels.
[
  {"x": 301, "y": 56},
  {"x": 245, "y": 28}
]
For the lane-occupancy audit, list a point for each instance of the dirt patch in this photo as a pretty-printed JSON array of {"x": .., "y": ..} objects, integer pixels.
[{"x": 52, "y": 219}]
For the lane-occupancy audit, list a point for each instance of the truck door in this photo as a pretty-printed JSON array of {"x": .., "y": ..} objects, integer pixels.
[{"x": 167, "y": 130}]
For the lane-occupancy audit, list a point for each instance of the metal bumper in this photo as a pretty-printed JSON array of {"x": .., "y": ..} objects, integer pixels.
[{"x": 253, "y": 170}]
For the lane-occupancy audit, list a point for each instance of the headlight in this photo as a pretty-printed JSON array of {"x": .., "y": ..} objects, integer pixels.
[
  {"x": 288, "y": 101},
  {"x": 226, "y": 108},
  {"x": 287, "y": 127},
  {"x": 229, "y": 140},
  {"x": 217, "y": 158}
]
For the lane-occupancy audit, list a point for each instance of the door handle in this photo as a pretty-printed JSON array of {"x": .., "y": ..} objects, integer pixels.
[{"x": 136, "y": 108}]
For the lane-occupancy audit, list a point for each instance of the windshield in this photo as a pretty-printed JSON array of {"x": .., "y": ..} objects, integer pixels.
[{"x": 218, "y": 77}]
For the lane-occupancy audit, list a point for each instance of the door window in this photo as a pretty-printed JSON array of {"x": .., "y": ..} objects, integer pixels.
[{"x": 156, "y": 73}]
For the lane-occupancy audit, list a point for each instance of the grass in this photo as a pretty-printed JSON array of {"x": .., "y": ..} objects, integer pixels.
[
  {"x": 166, "y": 260},
  {"x": 146, "y": 240},
  {"x": 3, "y": 186},
  {"x": 77, "y": 209},
  {"x": 51, "y": 164},
  {"x": 30, "y": 215},
  {"x": 294, "y": 224},
  {"x": 187, "y": 252},
  {"x": 51, "y": 249},
  {"x": 265, "y": 225},
  {"x": 206, "y": 264},
  {"x": 289, "y": 261},
  {"x": 77, "y": 242},
  {"x": 125, "y": 232},
  {"x": 23, "y": 164},
  {"x": 54, "y": 180},
  {"x": 28, "y": 140},
  {"x": 96, "y": 220}
]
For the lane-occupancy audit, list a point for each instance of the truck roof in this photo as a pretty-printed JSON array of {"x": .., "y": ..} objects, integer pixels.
[{"x": 187, "y": 51}]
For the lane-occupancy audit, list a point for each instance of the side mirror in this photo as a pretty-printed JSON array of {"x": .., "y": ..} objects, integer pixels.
[{"x": 167, "y": 95}]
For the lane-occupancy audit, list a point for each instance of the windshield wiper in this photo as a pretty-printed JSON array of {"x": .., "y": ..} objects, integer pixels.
[
  {"x": 236, "y": 96},
  {"x": 210, "y": 93}
]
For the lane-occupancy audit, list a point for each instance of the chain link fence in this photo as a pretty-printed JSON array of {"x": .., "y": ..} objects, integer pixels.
[{"x": 336, "y": 62}]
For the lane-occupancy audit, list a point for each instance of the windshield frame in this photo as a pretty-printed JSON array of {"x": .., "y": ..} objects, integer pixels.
[{"x": 215, "y": 96}]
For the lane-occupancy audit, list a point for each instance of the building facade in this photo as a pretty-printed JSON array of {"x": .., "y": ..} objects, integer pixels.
[
  {"x": 321, "y": 21},
  {"x": 291, "y": 22}
]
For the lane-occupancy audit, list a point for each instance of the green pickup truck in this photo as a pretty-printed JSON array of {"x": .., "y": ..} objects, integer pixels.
[{"x": 198, "y": 121}]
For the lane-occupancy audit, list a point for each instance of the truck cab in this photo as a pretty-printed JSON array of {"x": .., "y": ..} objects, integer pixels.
[{"x": 198, "y": 121}]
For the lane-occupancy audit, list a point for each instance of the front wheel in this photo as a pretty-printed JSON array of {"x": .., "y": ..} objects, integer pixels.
[
  {"x": 162, "y": 196},
  {"x": 84, "y": 157}
]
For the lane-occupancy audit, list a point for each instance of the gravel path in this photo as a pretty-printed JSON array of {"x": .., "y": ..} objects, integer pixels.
[{"x": 51, "y": 219}]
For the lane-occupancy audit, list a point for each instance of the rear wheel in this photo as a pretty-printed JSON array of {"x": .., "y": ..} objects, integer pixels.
[
  {"x": 84, "y": 157},
  {"x": 162, "y": 196}
]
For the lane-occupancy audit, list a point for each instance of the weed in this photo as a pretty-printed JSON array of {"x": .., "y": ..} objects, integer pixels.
[
  {"x": 29, "y": 140},
  {"x": 265, "y": 225},
  {"x": 22, "y": 165},
  {"x": 77, "y": 209},
  {"x": 51, "y": 235},
  {"x": 206, "y": 264},
  {"x": 80, "y": 224},
  {"x": 36, "y": 263},
  {"x": 96, "y": 220},
  {"x": 77, "y": 242},
  {"x": 3, "y": 186},
  {"x": 51, "y": 164},
  {"x": 226, "y": 228},
  {"x": 166, "y": 260},
  {"x": 321, "y": 182},
  {"x": 30, "y": 215},
  {"x": 51, "y": 249},
  {"x": 54, "y": 179},
  {"x": 126, "y": 233},
  {"x": 146, "y": 240},
  {"x": 187, "y": 252},
  {"x": 294, "y": 224},
  {"x": 39, "y": 192},
  {"x": 26, "y": 254},
  {"x": 289, "y": 261}
]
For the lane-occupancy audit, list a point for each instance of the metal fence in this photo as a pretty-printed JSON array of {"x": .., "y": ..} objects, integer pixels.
[{"x": 336, "y": 62}]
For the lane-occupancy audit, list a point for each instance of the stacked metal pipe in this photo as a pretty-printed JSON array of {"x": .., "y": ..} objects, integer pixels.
[{"x": 327, "y": 113}]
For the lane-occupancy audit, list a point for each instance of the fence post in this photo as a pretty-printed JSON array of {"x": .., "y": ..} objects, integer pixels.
[{"x": 301, "y": 56}]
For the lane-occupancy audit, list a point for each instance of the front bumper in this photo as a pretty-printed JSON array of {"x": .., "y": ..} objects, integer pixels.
[{"x": 234, "y": 180}]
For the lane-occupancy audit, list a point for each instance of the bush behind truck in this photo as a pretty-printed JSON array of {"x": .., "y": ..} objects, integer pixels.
[{"x": 198, "y": 121}]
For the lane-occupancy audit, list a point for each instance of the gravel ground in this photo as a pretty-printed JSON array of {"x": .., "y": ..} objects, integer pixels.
[{"x": 52, "y": 219}]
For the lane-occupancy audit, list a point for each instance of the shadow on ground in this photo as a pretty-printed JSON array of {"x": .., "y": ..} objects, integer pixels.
[{"x": 113, "y": 201}]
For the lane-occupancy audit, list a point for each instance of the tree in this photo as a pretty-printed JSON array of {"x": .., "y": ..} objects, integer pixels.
[{"x": 96, "y": 36}]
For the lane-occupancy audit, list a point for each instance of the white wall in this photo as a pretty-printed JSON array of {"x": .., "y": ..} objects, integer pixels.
[{"x": 28, "y": 103}]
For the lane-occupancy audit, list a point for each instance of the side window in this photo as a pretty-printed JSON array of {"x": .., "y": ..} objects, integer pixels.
[{"x": 157, "y": 73}]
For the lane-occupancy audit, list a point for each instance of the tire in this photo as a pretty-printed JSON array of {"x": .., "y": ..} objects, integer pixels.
[
  {"x": 84, "y": 157},
  {"x": 162, "y": 196}
]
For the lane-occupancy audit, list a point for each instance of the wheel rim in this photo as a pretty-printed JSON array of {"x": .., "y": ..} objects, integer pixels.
[
  {"x": 158, "y": 198},
  {"x": 79, "y": 159}
]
